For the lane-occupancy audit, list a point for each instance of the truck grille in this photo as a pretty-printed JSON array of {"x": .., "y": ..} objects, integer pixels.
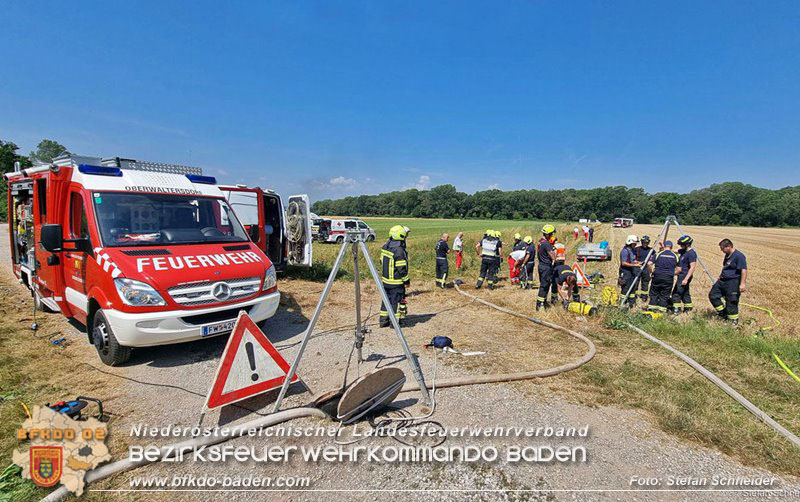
[{"x": 202, "y": 293}]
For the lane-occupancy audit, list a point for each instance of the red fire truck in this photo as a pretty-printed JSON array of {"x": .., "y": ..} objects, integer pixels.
[{"x": 140, "y": 253}]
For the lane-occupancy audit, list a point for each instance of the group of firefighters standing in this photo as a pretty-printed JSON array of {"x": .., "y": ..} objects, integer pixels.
[
  {"x": 662, "y": 278},
  {"x": 668, "y": 275}
]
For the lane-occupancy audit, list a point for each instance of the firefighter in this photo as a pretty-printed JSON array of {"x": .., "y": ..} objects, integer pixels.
[
  {"x": 566, "y": 288},
  {"x": 442, "y": 249},
  {"x": 498, "y": 259},
  {"x": 627, "y": 269},
  {"x": 547, "y": 256},
  {"x": 527, "y": 264},
  {"x": 642, "y": 252},
  {"x": 394, "y": 273},
  {"x": 663, "y": 272},
  {"x": 561, "y": 256},
  {"x": 731, "y": 283},
  {"x": 687, "y": 262},
  {"x": 487, "y": 251}
]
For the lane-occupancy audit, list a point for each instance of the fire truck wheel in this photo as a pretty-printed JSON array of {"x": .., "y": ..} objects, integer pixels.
[
  {"x": 340, "y": 239},
  {"x": 370, "y": 238},
  {"x": 108, "y": 348}
]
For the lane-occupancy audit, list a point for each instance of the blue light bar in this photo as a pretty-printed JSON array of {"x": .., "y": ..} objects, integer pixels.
[
  {"x": 101, "y": 170},
  {"x": 206, "y": 180}
]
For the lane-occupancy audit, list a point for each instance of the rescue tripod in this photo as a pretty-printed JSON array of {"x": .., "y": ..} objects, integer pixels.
[
  {"x": 662, "y": 236},
  {"x": 355, "y": 241}
]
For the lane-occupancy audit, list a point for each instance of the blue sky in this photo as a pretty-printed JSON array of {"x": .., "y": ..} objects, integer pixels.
[{"x": 340, "y": 98}]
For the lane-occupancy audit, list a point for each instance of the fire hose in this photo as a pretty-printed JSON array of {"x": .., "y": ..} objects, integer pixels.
[
  {"x": 120, "y": 466},
  {"x": 783, "y": 431},
  {"x": 520, "y": 375}
]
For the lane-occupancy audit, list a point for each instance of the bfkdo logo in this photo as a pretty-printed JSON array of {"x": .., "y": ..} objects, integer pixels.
[
  {"x": 60, "y": 449},
  {"x": 46, "y": 464}
]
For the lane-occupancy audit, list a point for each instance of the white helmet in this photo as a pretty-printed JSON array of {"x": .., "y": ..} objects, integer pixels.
[{"x": 632, "y": 239}]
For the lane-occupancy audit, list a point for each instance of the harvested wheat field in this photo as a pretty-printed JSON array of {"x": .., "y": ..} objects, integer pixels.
[{"x": 628, "y": 370}]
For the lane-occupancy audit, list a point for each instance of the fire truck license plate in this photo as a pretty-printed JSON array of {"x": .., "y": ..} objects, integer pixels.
[{"x": 220, "y": 327}]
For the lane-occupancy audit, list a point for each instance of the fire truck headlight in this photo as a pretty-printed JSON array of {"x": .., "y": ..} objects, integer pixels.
[
  {"x": 270, "y": 280},
  {"x": 138, "y": 294}
]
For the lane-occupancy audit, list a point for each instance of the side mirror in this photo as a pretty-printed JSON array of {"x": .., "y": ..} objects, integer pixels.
[
  {"x": 83, "y": 244},
  {"x": 52, "y": 237}
]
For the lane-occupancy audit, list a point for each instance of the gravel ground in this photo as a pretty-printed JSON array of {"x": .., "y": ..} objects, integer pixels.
[{"x": 621, "y": 443}]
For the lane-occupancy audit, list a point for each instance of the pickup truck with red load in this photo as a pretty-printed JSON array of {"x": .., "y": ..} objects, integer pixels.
[{"x": 140, "y": 253}]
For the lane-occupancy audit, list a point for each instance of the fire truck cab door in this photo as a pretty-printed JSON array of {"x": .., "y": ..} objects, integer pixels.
[
  {"x": 77, "y": 227},
  {"x": 298, "y": 230}
]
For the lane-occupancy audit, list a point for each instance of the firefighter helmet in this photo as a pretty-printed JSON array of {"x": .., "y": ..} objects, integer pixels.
[
  {"x": 548, "y": 229},
  {"x": 645, "y": 238},
  {"x": 497, "y": 234},
  {"x": 632, "y": 239},
  {"x": 528, "y": 239},
  {"x": 685, "y": 240},
  {"x": 398, "y": 232},
  {"x": 517, "y": 236}
]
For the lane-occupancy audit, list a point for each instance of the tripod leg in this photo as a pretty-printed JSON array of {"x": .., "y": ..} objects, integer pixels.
[
  {"x": 359, "y": 330},
  {"x": 426, "y": 397},
  {"x": 311, "y": 325}
]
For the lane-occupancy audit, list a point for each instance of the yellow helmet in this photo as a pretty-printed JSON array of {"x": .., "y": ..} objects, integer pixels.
[
  {"x": 548, "y": 229},
  {"x": 517, "y": 236},
  {"x": 398, "y": 232},
  {"x": 489, "y": 232},
  {"x": 528, "y": 239},
  {"x": 497, "y": 234}
]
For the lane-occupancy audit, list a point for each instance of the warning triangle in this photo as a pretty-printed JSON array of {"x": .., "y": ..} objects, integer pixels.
[
  {"x": 249, "y": 365},
  {"x": 583, "y": 281}
]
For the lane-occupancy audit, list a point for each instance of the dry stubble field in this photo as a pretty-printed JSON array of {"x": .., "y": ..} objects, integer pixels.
[{"x": 628, "y": 370}]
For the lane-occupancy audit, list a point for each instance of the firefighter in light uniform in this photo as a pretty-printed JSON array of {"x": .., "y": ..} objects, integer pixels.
[
  {"x": 642, "y": 251},
  {"x": 394, "y": 273},
  {"x": 487, "y": 249},
  {"x": 547, "y": 256},
  {"x": 442, "y": 249},
  {"x": 628, "y": 266},
  {"x": 687, "y": 262},
  {"x": 663, "y": 274},
  {"x": 732, "y": 282},
  {"x": 498, "y": 260},
  {"x": 527, "y": 264},
  {"x": 513, "y": 270}
]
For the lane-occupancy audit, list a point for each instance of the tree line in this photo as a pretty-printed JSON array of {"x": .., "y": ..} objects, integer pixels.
[
  {"x": 46, "y": 150},
  {"x": 730, "y": 203}
]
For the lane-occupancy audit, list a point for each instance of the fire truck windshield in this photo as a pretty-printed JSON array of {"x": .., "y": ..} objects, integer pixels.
[{"x": 142, "y": 219}]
